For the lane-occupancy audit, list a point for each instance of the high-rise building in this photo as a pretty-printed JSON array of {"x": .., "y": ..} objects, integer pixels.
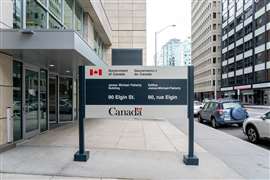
[
  {"x": 42, "y": 43},
  {"x": 205, "y": 47},
  {"x": 246, "y": 50},
  {"x": 175, "y": 53}
]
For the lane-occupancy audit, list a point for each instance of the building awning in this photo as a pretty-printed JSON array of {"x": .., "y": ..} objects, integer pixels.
[{"x": 66, "y": 50}]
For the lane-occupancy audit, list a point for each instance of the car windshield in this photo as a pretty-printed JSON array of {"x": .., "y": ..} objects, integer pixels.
[
  {"x": 229, "y": 105},
  {"x": 197, "y": 103}
]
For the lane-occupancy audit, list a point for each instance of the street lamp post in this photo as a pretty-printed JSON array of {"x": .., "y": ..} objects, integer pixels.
[{"x": 156, "y": 33}]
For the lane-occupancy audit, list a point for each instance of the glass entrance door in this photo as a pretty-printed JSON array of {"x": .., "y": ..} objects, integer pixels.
[
  {"x": 65, "y": 99},
  {"x": 53, "y": 99},
  {"x": 31, "y": 105}
]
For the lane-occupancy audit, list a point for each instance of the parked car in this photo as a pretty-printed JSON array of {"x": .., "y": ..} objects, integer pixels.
[
  {"x": 197, "y": 107},
  {"x": 222, "y": 112},
  {"x": 257, "y": 128}
]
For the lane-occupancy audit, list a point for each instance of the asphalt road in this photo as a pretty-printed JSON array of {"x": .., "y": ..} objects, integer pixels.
[{"x": 236, "y": 131}]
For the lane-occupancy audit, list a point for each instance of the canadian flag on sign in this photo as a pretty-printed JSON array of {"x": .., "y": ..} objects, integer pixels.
[{"x": 95, "y": 72}]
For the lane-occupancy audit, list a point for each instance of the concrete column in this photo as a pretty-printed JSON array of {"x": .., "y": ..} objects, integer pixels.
[
  {"x": 6, "y": 93},
  {"x": 6, "y": 14}
]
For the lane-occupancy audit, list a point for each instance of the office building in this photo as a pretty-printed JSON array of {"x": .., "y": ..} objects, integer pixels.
[
  {"x": 42, "y": 43},
  {"x": 245, "y": 50},
  {"x": 205, "y": 47},
  {"x": 175, "y": 53}
]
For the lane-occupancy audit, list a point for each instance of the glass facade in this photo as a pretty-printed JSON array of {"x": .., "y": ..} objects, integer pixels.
[
  {"x": 36, "y": 17},
  {"x": 17, "y": 100},
  {"x": 43, "y": 96},
  {"x": 245, "y": 51},
  {"x": 17, "y": 14},
  {"x": 68, "y": 14},
  {"x": 78, "y": 17},
  {"x": 31, "y": 100},
  {"x": 65, "y": 99},
  {"x": 48, "y": 14},
  {"x": 53, "y": 24},
  {"x": 55, "y": 8}
]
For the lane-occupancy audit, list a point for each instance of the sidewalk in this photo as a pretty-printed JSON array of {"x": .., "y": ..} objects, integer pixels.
[
  {"x": 248, "y": 160},
  {"x": 257, "y": 107},
  {"x": 119, "y": 149}
]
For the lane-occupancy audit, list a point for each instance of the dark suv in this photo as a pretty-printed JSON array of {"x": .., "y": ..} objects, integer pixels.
[{"x": 223, "y": 111}]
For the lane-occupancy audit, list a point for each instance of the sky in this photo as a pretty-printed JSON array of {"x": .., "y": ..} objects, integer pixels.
[{"x": 161, "y": 13}]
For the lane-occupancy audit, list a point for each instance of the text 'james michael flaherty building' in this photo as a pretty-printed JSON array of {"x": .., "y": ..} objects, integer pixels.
[{"x": 42, "y": 43}]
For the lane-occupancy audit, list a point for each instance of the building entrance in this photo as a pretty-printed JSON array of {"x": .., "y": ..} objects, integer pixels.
[{"x": 31, "y": 102}]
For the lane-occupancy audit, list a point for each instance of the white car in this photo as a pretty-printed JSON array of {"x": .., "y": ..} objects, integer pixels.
[
  {"x": 197, "y": 107},
  {"x": 257, "y": 128}
]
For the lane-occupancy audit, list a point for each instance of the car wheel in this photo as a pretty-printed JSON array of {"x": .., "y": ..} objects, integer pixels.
[
  {"x": 252, "y": 134},
  {"x": 214, "y": 123},
  {"x": 200, "y": 118}
]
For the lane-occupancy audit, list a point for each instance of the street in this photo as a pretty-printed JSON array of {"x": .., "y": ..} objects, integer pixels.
[{"x": 236, "y": 131}]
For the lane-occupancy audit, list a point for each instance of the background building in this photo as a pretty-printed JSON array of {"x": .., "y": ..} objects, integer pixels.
[
  {"x": 245, "y": 50},
  {"x": 128, "y": 23},
  {"x": 42, "y": 43},
  {"x": 205, "y": 47},
  {"x": 175, "y": 53}
]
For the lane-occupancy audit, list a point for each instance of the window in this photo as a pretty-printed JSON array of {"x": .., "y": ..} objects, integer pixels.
[
  {"x": 214, "y": 48},
  {"x": 248, "y": 29},
  {"x": 268, "y": 35},
  {"x": 268, "y": 74},
  {"x": 248, "y": 45},
  {"x": 239, "y": 19},
  {"x": 239, "y": 65},
  {"x": 224, "y": 82},
  {"x": 239, "y": 80},
  {"x": 260, "y": 58},
  {"x": 53, "y": 24},
  {"x": 248, "y": 12},
  {"x": 214, "y": 60},
  {"x": 239, "y": 49},
  {"x": 260, "y": 76},
  {"x": 231, "y": 81},
  {"x": 17, "y": 14},
  {"x": 239, "y": 34},
  {"x": 68, "y": 14},
  {"x": 260, "y": 39},
  {"x": 248, "y": 62},
  {"x": 231, "y": 67},
  {"x": 35, "y": 15},
  {"x": 214, "y": 37},
  {"x": 55, "y": 7},
  {"x": 214, "y": 26},
  {"x": 78, "y": 17},
  {"x": 260, "y": 21},
  {"x": 259, "y": 4},
  {"x": 214, "y": 15},
  {"x": 248, "y": 78},
  {"x": 268, "y": 55}
]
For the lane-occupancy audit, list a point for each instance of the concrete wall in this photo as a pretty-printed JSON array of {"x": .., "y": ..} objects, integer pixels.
[
  {"x": 89, "y": 30},
  {"x": 6, "y": 14},
  {"x": 128, "y": 22},
  {"x": 6, "y": 93}
]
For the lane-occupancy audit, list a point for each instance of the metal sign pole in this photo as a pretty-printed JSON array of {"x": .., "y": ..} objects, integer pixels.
[
  {"x": 191, "y": 159},
  {"x": 81, "y": 155}
]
